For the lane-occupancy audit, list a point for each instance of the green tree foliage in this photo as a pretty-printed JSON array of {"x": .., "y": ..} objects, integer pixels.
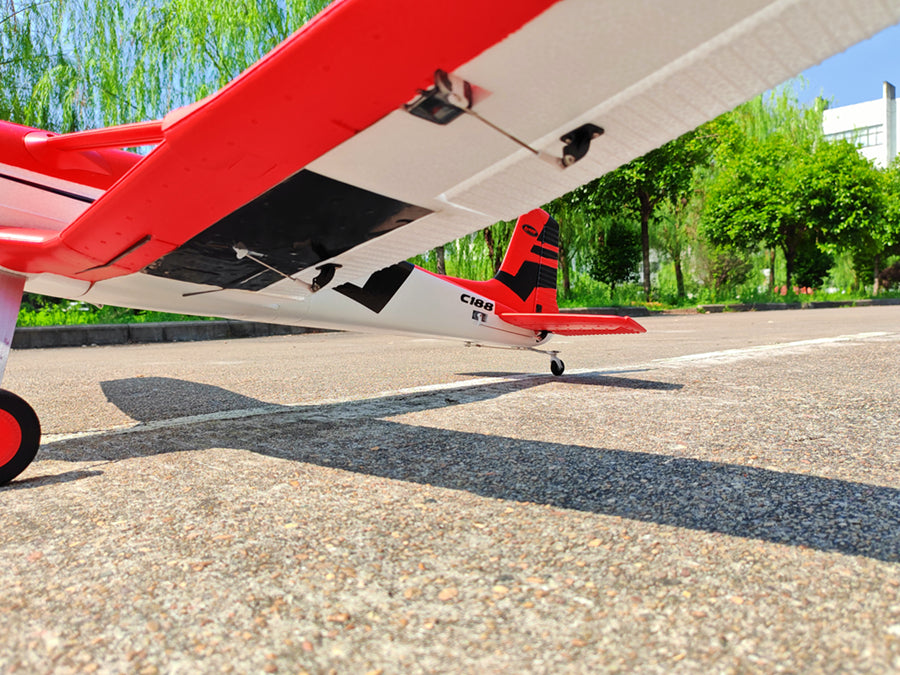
[
  {"x": 618, "y": 253},
  {"x": 812, "y": 265},
  {"x": 640, "y": 186},
  {"x": 847, "y": 200},
  {"x": 35, "y": 74},
  {"x": 748, "y": 202},
  {"x": 672, "y": 233},
  {"x": 723, "y": 269},
  {"x": 872, "y": 240},
  {"x": 891, "y": 222},
  {"x": 496, "y": 238},
  {"x": 780, "y": 114},
  {"x": 781, "y": 185},
  {"x": 73, "y": 64}
]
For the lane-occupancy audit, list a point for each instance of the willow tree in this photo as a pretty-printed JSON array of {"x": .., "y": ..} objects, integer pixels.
[
  {"x": 35, "y": 74},
  {"x": 71, "y": 64},
  {"x": 67, "y": 65}
]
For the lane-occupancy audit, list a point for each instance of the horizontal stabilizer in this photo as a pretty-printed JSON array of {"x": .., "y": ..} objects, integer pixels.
[{"x": 574, "y": 324}]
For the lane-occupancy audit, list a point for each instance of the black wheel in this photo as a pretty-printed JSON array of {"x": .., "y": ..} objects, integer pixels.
[
  {"x": 20, "y": 435},
  {"x": 557, "y": 367}
]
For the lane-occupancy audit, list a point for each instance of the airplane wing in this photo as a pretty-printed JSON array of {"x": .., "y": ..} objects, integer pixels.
[{"x": 340, "y": 152}]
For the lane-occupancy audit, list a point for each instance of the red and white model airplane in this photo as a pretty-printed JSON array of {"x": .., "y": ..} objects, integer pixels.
[{"x": 381, "y": 129}]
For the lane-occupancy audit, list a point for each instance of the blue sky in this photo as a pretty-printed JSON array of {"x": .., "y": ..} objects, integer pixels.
[{"x": 856, "y": 75}]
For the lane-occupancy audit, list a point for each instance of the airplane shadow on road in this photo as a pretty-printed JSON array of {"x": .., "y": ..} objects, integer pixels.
[
  {"x": 610, "y": 378},
  {"x": 785, "y": 508}
]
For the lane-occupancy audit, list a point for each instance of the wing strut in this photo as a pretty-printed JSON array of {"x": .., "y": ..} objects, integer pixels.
[
  {"x": 452, "y": 96},
  {"x": 243, "y": 252},
  {"x": 122, "y": 136}
]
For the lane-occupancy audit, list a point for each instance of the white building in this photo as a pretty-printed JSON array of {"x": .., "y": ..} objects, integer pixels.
[{"x": 872, "y": 124}]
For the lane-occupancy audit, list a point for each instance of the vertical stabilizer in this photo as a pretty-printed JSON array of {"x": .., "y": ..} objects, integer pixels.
[
  {"x": 526, "y": 281},
  {"x": 528, "y": 272},
  {"x": 526, "y": 284}
]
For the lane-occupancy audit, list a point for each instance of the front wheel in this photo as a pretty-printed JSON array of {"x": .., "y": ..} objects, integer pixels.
[{"x": 20, "y": 435}]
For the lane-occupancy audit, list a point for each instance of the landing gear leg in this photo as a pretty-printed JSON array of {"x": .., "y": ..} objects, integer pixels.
[
  {"x": 557, "y": 367},
  {"x": 20, "y": 430}
]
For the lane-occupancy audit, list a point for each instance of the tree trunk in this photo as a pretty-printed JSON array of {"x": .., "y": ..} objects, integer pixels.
[
  {"x": 792, "y": 242},
  {"x": 876, "y": 271},
  {"x": 439, "y": 256},
  {"x": 492, "y": 249},
  {"x": 788, "y": 267},
  {"x": 564, "y": 266},
  {"x": 772, "y": 271},
  {"x": 679, "y": 277},
  {"x": 646, "y": 211}
]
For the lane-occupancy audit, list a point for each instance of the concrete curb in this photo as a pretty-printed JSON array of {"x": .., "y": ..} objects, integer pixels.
[
  {"x": 133, "y": 333},
  {"x": 736, "y": 307},
  {"x": 813, "y": 304},
  {"x": 609, "y": 311}
]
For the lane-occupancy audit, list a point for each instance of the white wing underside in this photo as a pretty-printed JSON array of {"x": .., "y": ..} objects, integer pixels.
[{"x": 645, "y": 71}]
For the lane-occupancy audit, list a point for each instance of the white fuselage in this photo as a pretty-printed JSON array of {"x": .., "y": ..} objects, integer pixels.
[{"x": 424, "y": 305}]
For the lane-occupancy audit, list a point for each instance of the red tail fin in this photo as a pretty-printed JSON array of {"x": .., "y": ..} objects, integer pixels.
[
  {"x": 528, "y": 272},
  {"x": 528, "y": 275},
  {"x": 526, "y": 281},
  {"x": 524, "y": 289}
]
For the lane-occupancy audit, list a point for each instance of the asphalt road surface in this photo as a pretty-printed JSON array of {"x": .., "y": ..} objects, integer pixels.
[{"x": 721, "y": 494}]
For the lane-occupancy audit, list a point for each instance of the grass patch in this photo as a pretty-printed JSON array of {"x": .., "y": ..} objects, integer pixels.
[{"x": 78, "y": 313}]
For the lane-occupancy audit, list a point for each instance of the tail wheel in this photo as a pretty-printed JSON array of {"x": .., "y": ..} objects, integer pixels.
[
  {"x": 557, "y": 367},
  {"x": 20, "y": 435}
]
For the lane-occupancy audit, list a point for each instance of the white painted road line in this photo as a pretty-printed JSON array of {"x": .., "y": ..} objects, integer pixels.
[
  {"x": 729, "y": 355},
  {"x": 313, "y": 408}
]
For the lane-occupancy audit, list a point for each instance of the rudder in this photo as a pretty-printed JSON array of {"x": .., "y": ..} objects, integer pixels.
[{"x": 528, "y": 272}]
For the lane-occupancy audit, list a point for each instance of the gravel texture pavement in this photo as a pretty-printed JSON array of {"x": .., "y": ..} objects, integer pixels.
[{"x": 720, "y": 495}]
